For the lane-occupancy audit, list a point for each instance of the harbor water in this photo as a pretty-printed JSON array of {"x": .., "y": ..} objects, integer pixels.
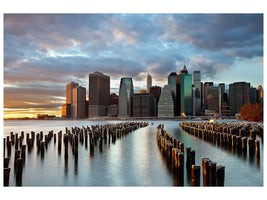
[{"x": 134, "y": 160}]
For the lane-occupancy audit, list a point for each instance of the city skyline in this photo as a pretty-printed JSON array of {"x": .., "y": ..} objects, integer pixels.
[{"x": 44, "y": 52}]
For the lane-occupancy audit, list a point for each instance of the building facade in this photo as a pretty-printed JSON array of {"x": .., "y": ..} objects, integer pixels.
[
  {"x": 238, "y": 96},
  {"x": 184, "y": 93},
  {"x": 79, "y": 99},
  {"x": 125, "y": 97},
  {"x": 148, "y": 82},
  {"x": 212, "y": 95},
  {"x": 66, "y": 110},
  {"x": 166, "y": 105},
  {"x": 143, "y": 105},
  {"x": 69, "y": 96},
  {"x": 99, "y": 93},
  {"x": 172, "y": 84},
  {"x": 197, "y": 86}
]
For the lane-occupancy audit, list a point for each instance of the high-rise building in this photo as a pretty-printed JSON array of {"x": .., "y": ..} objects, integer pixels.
[
  {"x": 184, "y": 92},
  {"x": 259, "y": 94},
  {"x": 79, "y": 98},
  {"x": 172, "y": 84},
  {"x": 99, "y": 93},
  {"x": 238, "y": 96},
  {"x": 69, "y": 96},
  {"x": 252, "y": 95},
  {"x": 197, "y": 86},
  {"x": 148, "y": 82},
  {"x": 165, "y": 105},
  {"x": 66, "y": 110},
  {"x": 156, "y": 91},
  {"x": 114, "y": 99},
  {"x": 125, "y": 97},
  {"x": 143, "y": 105},
  {"x": 212, "y": 94},
  {"x": 206, "y": 86}
]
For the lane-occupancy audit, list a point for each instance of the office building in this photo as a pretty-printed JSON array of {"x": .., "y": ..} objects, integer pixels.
[
  {"x": 148, "y": 82},
  {"x": 79, "y": 99},
  {"x": 165, "y": 104},
  {"x": 114, "y": 99},
  {"x": 184, "y": 93},
  {"x": 155, "y": 91},
  {"x": 143, "y": 105},
  {"x": 259, "y": 94},
  {"x": 69, "y": 96},
  {"x": 125, "y": 97},
  {"x": 197, "y": 86},
  {"x": 99, "y": 93},
  {"x": 238, "y": 96},
  {"x": 206, "y": 86},
  {"x": 66, "y": 110},
  {"x": 252, "y": 95},
  {"x": 172, "y": 84},
  {"x": 212, "y": 95}
]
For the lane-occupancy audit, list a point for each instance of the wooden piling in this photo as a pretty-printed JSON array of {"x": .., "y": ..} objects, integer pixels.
[
  {"x": 220, "y": 175},
  {"x": 195, "y": 174},
  {"x": 19, "y": 168},
  {"x": 6, "y": 162},
  {"x": 212, "y": 174},
  {"x": 23, "y": 152},
  {"x": 6, "y": 176},
  {"x": 257, "y": 147}
]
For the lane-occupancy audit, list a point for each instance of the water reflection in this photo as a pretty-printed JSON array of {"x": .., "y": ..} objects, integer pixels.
[{"x": 132, "y": 160}]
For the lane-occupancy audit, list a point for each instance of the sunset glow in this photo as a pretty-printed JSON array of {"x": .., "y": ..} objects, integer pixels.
[{"x": 44, "y": 52}]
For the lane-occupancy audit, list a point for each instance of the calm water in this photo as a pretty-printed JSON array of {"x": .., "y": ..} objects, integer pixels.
[{"x": 134, "y": 160}]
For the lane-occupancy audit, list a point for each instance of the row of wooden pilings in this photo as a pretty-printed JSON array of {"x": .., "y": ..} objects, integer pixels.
[
  {"x": 95, "y": 135},
  {"x": 173, "y": 150},
  {"x": 235, "y": 136}
]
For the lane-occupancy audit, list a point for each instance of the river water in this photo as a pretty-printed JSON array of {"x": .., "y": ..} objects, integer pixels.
[{"x": 134, "y": 160}]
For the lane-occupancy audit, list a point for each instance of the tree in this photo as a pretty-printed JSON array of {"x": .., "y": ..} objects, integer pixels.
[{"x": 252, "y": 112}]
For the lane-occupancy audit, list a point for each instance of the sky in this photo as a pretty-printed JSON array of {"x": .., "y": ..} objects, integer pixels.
[{"x": 44, "y": 52}]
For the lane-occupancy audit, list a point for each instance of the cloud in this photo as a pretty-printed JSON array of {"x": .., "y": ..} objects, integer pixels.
[{"x": 44, "y": 52}]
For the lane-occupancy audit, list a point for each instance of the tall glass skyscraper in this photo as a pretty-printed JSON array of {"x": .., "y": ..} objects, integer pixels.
[
  {"x": 172, "y": 84},
  {"x": 125, "y": 97},
  {"x": 184, "y": 92},
  {"x": 148, "y": 82}
]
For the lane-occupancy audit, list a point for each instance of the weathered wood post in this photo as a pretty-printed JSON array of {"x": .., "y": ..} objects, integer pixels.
[
  {"x": 4, "y": 146},
  {"x": 23, "y": 152},
  {"x": 220, "y": 175},
  {"x": 6, "y": 176},
  {"x": 19, "y": 169},
  {"x": 195, "y": 174},
  {"x": 257, "y": 147},
  {"x": 17, "y": 155},
  {"x": 188, "y": 157},
  {"x": 55, "y": 138},
  {"x": 212, "y": 177},
  {"x": 6, "y": 162},
  {"x": 206, "y": 174},
  {"x": 42, "y": 147}
]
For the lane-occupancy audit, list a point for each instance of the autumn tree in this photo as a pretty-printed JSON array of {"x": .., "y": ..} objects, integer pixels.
[{"x": 252, "y": 112}]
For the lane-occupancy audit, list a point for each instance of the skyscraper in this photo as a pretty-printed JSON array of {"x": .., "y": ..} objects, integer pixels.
[
  {"x": 206, "y": 86},
  {"x": 197, "y": 86},
  {"x": 238, "y": 96},
  {"x": 143, "y": 105},
  {"x": 184, "y": 92},
  {"x": 79, "y": 98},
  {"x": 69, "y": 96},
  {"x": 212, "y": 94},
  {"x": 172, "y": 84},
  {"x": 99, "y": 93},
  {"x": 165, "y": 105},
  {"x": 156, "y": 91},
  {"x": 148, "y": 82},
  {"x": 125, "y": 97}
]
